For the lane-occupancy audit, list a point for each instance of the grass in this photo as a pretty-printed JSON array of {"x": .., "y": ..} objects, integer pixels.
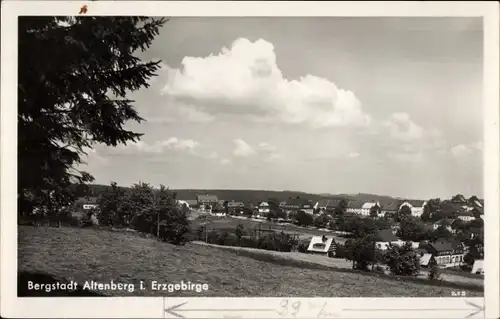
[
  {"x": 100, "y": 255},
  {"x": 230, "y": 223}
]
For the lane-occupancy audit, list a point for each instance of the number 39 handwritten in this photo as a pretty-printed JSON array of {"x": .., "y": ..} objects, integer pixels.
[{"x": 287, "y": 308}]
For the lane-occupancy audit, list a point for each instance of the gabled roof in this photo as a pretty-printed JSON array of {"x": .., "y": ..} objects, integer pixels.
[
  {"x": 413, "y": 202},
  {"x": 368, "y": 205},
  {"x": 191, "y": 202},
  {"x": 320, "y": 244},
  {"x": 445, "y": 221},
  {"x": 465, "y": 213},
  {"x": 386, "y": 235},
  {"x": 425, "y": 259},
  {"x": 297, "y": 202},
  {"x": 207, "y": 197},
  {"x": 478, "y": 266},
  {"x": 329, "y": 203},
  {"x": 355, "y": 204},
  {"x": 450, "y": 208},
  {"x": 217, "y": 206},
  {"x": 479, "y": 209},
  {"x": 87, "y": 200},
  {"x": 441, "y": 246},
  {"x": 459, "y": 198},
  {"x": 391, "y": 207},
  {"x": 235, "y": 204}
]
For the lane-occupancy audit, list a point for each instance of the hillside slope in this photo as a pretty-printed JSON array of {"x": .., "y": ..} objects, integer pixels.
[{"x": 88, "y": 254}]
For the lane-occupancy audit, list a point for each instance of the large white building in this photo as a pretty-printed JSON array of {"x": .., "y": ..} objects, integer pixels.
[
  {"x": 416, "y": 206},
  {"x": 365, "y": 209}
]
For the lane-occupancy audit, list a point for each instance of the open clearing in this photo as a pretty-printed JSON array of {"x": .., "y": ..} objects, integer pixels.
[
  {"x": 101, "y": 255},
  {"x": 230, "y": 223}
]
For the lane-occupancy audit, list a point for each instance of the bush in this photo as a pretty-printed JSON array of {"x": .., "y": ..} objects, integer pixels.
[
  {"x": 302, "y": 247},
  {"x": 402, "y": 260},
  {"x": 174, "y": 227},
  {"x": 434, "y": 272}
]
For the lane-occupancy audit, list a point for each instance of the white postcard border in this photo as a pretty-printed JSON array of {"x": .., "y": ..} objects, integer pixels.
[{"x": 152, "y": 307}]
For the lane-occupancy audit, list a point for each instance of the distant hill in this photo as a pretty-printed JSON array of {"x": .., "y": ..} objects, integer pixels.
[{"x": 245, "y": 195}]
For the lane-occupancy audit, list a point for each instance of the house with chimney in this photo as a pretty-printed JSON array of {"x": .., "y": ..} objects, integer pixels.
[{"x": 322, "y": 245}]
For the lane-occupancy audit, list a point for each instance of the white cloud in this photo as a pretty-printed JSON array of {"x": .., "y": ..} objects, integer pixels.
[
  {"x": 159, "y": 147},
  {"x": 353, "y": 155},
  {"x": 193, "y": 115},
  {"x": 243, "y": 149},
  {"x": 225, "y": 161},
  {"x": 94, "y": 158},
  {"x": 266, "y": 147},
  {"x": 245, "y": 79},
  {"x": 403, "y": 129},
  {"x": 465, "y": 150}
]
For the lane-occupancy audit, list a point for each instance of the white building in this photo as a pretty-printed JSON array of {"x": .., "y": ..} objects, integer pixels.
[
  {"x": 466, "y": 216},
  {"x": 264, "y": 208},
  {"x": 365, "y": 209},
  {"x": 321, "y": 245},
  {"x": 417, "y": 207},
  {"x": 386, "y": 237}
]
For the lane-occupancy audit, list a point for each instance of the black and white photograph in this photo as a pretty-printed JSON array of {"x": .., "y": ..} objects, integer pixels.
[{"x": 293, "y": 156}]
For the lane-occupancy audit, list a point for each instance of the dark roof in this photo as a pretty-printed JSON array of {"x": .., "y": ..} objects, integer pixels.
[
  {"x": 190, "y": 202},
  {"x": 441, "y": 246},
  {"x": 355, "y": 204},
  {"x": 386, "y": 235},
  {"x": 475, "y": 230},
  {"x": 459, "y": 198},
  {"x": 479, "y": 209},
  {"x": 297, "y": 202},
  {"x": 87, "y": 200},
  {"x": 445, "y": 221},
  {"x": 391, "y": 207},
  {"x": 207, "y": 197},
  {"x": 217, "y": 206},
  {"x": 235, "y": 204},
  {"x": 329, "y": 202},
  {"x": 449, "y": 207},
  {"x": 415, "y": 202}
]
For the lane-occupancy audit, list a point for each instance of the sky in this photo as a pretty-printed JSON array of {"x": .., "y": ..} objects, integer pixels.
[{"x": 389, "y": 106}]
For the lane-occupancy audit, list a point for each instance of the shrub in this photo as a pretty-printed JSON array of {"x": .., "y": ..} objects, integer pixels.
[
  {"x": 239, "y": 231},
  {"x": 402, "y": 260},
  {"x": 434, "y": 272},
  {"x": 361, "y": 251},
  {"x": 213, "y": 237},
  {"x": 302, "y": 247},
  {"x": 174, "y": 227}
]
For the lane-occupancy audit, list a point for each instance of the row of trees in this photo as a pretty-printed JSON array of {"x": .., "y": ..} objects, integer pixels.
[
  {"x": 240, "y": 237},
  {"x": 145, "y": 209}
]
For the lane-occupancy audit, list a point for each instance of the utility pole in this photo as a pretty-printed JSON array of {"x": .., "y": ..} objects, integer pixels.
[
  {"x": 157, "y": 224},
  {"x": 206, "y": 233}
]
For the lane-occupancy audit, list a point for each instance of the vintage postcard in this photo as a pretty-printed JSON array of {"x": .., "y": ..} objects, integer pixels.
[{"x": 250, "y": 159}]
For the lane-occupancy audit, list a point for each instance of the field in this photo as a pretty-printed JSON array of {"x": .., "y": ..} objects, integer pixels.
[
  {"x": 230, "y": 223},
  {"x": 101, "y": 255}
]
